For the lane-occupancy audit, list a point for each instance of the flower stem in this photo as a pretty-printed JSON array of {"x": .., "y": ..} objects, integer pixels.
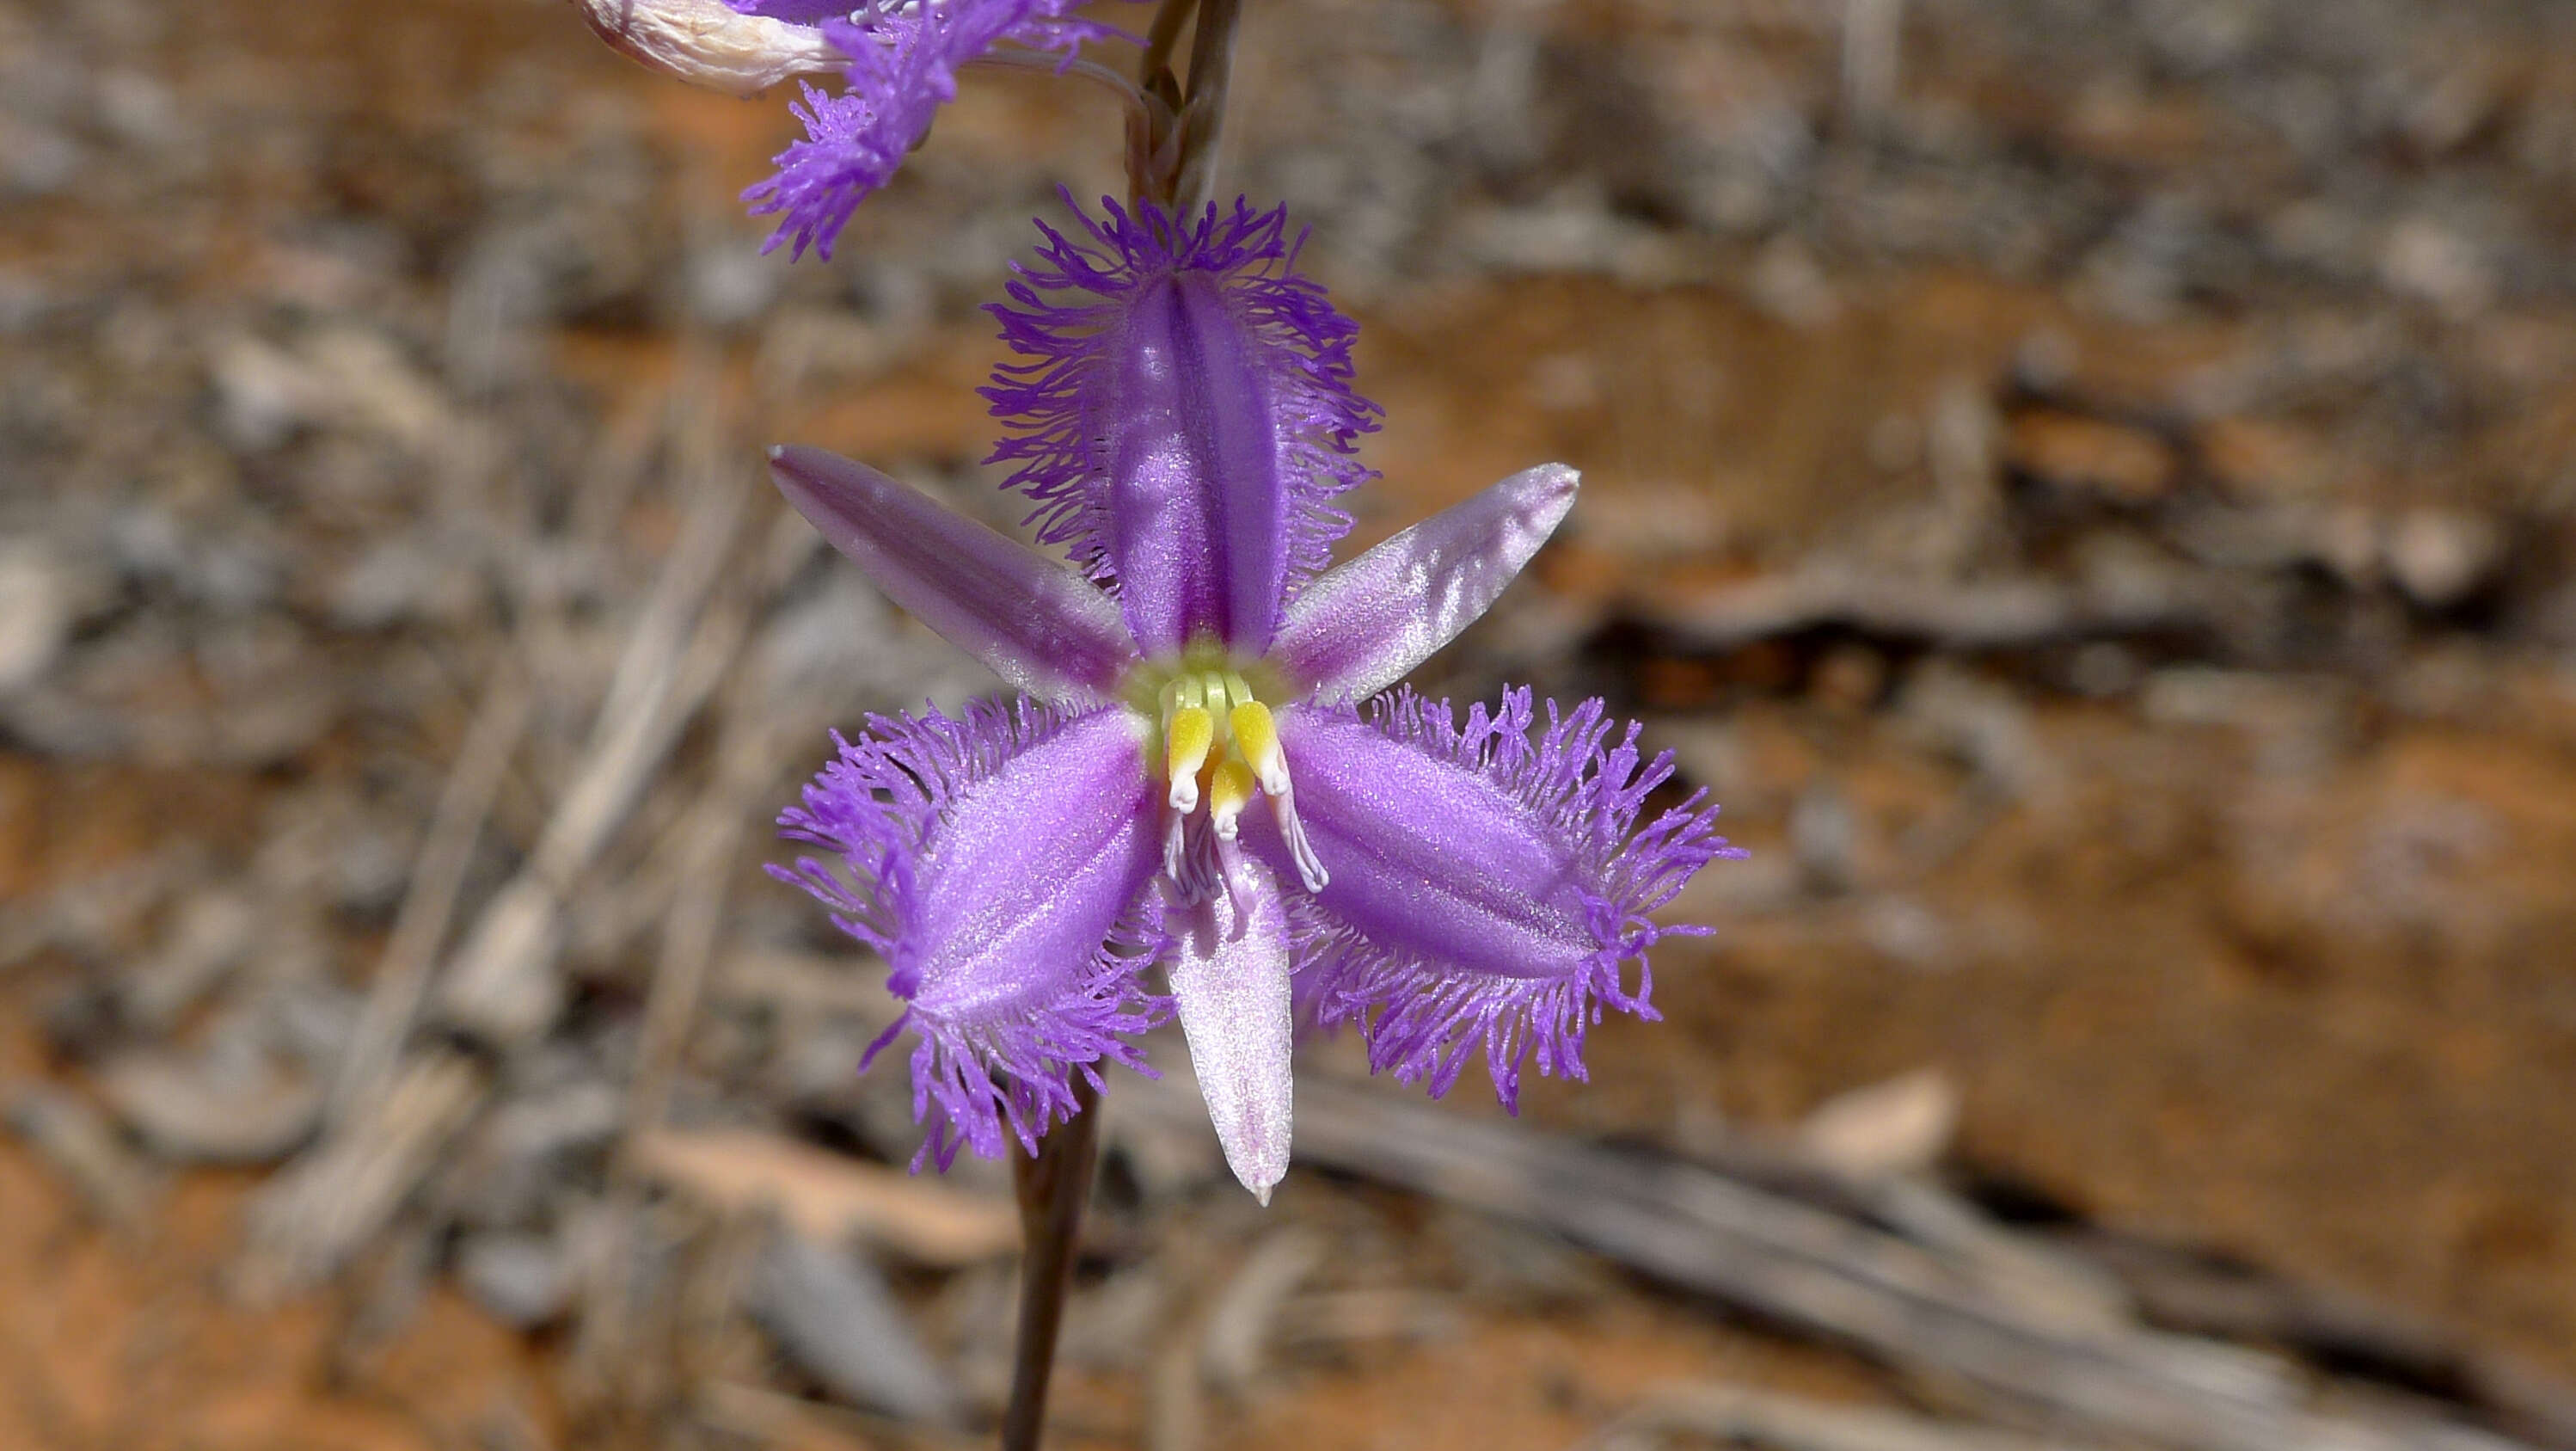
[
  {"x": 1154, "y": 70},
  {"x": 1172, "y": 147},
  {"x": 1013, "y": 58},
  {"x": 1054, "y": 1187},
  {"x": 1203, "y": 117}
]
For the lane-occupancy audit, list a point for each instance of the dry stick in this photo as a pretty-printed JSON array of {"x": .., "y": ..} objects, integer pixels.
[
  {"x": 1241, "y": 1322},
  {"x": 1741, "y": 1415},
  {"x": 703, "y": 846},
  {"x": 402, "y": 976},
  {"x": 312, "y": 1217},
  {"x": 2008, "y": 613},
  {"x": 114, "y": 1181},
  {"x": 392, "y": 1115},
  {"x": 1054, "y": 1185},
  {"x": 2184, "y": 1290},
  {"x": 772, "y": 1417},
  {"x": 716, "y": 497},
  {"x": 1835, "y": 1276},
  {"x": 1873, "y": 48},
  {"x": 689, "y": 934},
  {"x": 503, "y": 985},
  {"x": 618, "y": 463}
]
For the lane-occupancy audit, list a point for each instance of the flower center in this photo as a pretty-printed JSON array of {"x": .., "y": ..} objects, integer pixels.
[{"x": 1220, "y": 748}]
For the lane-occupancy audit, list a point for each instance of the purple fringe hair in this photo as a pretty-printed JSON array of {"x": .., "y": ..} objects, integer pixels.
[
  {"x": 876, "y": 808},
  {"x": 903, "y": 61},
  {"x": 1422, "y": 1019},
  {"x": 1059, "y": 404}
]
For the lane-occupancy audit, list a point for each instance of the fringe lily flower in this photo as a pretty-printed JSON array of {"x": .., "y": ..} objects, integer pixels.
[{"x": 1204, "y": 772}]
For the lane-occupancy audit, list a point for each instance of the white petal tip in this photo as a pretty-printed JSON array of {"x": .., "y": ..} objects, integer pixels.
[
  {"x": 1259, "y": 1160},
  {"x": 1553, "y": 498},
  {"x": 1230, "y": 990},
  {"x": 1544, "y": 484}
]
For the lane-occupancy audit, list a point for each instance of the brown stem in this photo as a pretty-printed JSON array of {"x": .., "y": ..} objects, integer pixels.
[
  {"x": 1042, "y": 62},
  {"x": 1152, "y": 141},
  {"x": 1160, "y": 41},
  {"x": 1054, "y": 1186},
  {"x": 1203, "y": 116}
]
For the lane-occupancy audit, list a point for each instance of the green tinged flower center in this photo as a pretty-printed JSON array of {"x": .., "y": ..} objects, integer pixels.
[
  {"x": 1219, "y": 744},
  {"x": 1216, "y": 745}
]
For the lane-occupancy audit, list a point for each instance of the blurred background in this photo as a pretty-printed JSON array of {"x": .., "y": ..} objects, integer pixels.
[{"x": 2089, "y": 484}]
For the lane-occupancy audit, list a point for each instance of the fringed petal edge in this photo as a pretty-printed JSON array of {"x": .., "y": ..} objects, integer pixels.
[
  {"x": 1058, "y": 318},
  {"x": 1423, "y": 1019},
  {"x": 902, "y": 67},
  {"x": 874, "y": 808}
]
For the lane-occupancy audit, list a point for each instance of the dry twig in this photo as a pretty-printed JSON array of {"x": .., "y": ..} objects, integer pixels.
[{"x": 1914, "y": 1306}]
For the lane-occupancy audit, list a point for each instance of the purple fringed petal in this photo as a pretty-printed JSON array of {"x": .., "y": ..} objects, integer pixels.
[
  {"x": 902, "y": 67},
  {"x": 1186, "y": 418},
  {"x": 1487, "y": 885},
  {"x": 1229, "y": 976},
  {"x": 998, "y": 863},
  {"x": 1363, "y": 625},
  {"x": 853, "y": 144},
  {"x": 1040, "y": 626}
]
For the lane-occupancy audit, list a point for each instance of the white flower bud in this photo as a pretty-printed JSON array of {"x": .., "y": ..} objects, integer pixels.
[{"x": 708, "y": 43}]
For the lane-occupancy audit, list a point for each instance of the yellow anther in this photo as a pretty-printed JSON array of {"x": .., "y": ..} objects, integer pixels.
[
  {"x": 1229, "y": 791},
  {"x": 1256, "y": 740},
  {"x": 1187, "y": 738}
]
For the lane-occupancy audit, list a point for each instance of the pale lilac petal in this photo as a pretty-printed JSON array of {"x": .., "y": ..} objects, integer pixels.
[
  {"x": 1487, "y": 884},
  {"x": 1362, "y": 626},
  {"x": 1185, "y": 419},
  {"x": 1197, "y": 504},
  {"x": 1039, "y": 625},
  {"x": 1229, "y": 978},
  {"x": 999, "y": 863}
]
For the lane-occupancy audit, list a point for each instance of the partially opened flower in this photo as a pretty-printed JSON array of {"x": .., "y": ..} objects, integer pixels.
[
  {"x": 1206, "y": 775},
  {"x": 898, "y": 58},
  {"x": 901, "y": 61},
  {"x": 710, "y": 43}
]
